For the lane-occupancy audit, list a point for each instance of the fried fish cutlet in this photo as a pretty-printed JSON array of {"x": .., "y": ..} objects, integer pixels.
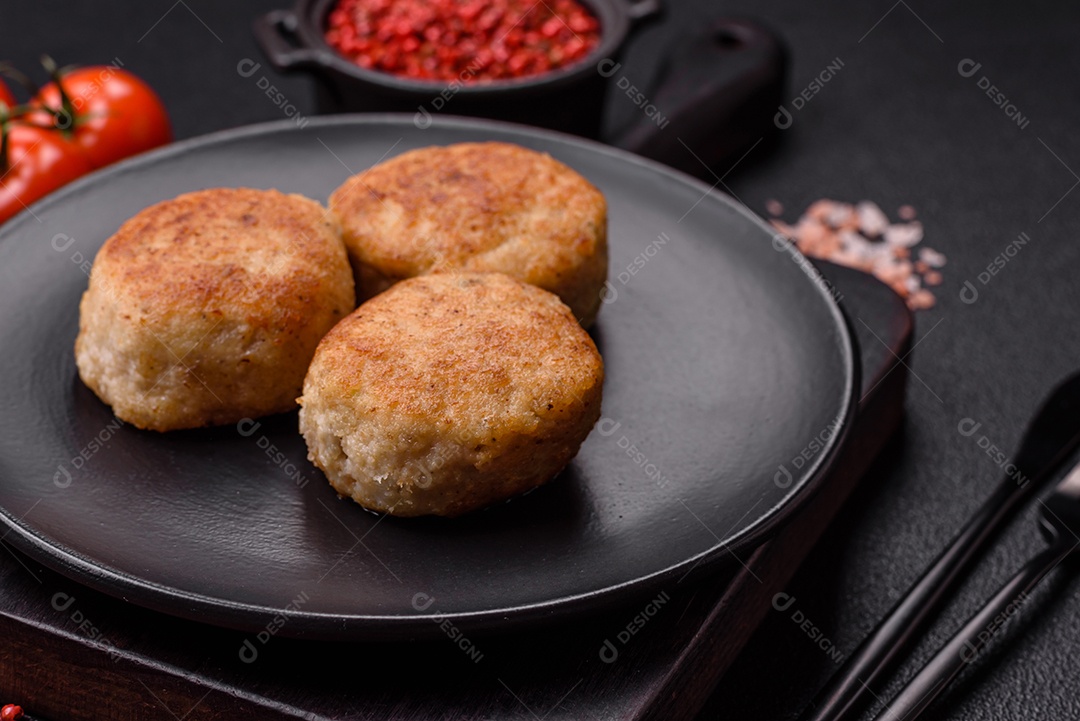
[
  {"x": 450, "y": 392},
  {"x": 207, "y": 308},
  {"x": 488, "y": 207}
]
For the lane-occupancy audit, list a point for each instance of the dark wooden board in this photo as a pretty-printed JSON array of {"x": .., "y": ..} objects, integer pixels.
[{"x": 72, "y": 653}]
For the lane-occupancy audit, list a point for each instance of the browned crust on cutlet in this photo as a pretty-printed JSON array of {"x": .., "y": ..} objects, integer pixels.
[
  {"x": 223, "y": 246},
  {"x": 207, "y": 308},
  {"x": 477, "y": 207},
  {"x": 486, "y": 384}
]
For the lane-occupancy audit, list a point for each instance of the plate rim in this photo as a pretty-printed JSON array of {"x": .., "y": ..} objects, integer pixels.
[{"x": 300, "y": 624}]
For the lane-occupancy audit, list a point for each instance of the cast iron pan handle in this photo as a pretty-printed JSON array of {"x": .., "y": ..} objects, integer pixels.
[
  {"x": 276, "y": 34},
  {"x": 717, "y": 95}
]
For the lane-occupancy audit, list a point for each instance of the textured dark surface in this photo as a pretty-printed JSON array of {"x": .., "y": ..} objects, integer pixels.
[{"x": 898, "y": 125}]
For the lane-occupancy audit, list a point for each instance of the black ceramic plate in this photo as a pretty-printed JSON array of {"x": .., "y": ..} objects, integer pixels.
[{"x": 730, "y": 377}]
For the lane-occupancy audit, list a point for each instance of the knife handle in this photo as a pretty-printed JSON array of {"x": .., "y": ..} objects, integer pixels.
[
  {"x": 847, "y": 691},
  {"x": 969, "y": 641}
]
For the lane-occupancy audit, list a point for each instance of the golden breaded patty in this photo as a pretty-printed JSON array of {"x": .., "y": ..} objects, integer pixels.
[
  {"x": 477, "y": 207},
  {"x": 449, "y": 392},
  {"x": 207, "y": 308}
]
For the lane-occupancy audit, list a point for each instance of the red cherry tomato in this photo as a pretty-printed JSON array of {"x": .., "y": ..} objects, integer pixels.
[
  {"x": 39, "y": 161},
  {"x": 11, "y": 712},
  {"x": 116, "y": 113},
  {"x": 5, "y": 95}
]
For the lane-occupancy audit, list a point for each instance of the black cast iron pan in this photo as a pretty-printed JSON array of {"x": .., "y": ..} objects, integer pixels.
[{"x": 730, "y": 383}]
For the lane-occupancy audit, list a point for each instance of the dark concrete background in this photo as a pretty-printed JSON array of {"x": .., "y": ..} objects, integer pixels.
[{"x": 898, "y": 124}]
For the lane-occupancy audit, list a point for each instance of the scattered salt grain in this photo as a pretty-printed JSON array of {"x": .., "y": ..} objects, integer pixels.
[
  {"x": 842, "y": 217},
  {"x": 811, "y": 233},
  {"x": 860, "y": 236},
  {"x": 819, "y": 209},
  {"x": 872, "y": 221},
  {"x": 931, "y": 257},
  {"x": 921, "y": 300},
  {"x": 905, "y": 234}
]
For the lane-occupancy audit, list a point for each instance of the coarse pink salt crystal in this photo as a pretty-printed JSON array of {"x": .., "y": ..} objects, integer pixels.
[
  {"x": 842, "y": 217},
  {"x": 820, "y": 209},
  {"x": 931, "y": 257},
  {"x": 921, "y": 299},
  {"x": 905, "y": 234},
  {"x": 810, "y": 232},
  {"x": 872, "y": 221}
]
